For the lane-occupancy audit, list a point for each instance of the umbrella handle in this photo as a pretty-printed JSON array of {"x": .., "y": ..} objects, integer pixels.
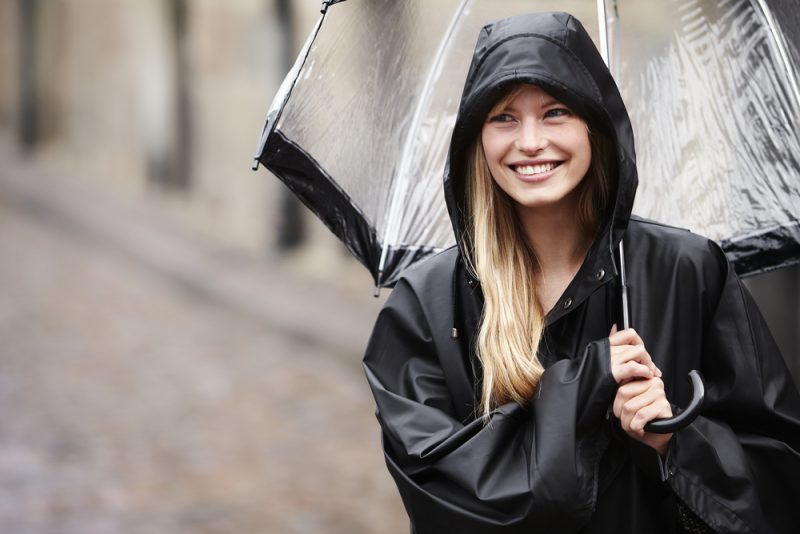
[{"x": 685, "y": 416}]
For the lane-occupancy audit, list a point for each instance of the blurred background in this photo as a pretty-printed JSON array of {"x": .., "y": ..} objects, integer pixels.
[{"x": 180, "y": 342}]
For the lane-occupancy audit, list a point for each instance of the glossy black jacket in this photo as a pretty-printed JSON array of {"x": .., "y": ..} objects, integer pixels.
[{"x": 560, "y": 463}]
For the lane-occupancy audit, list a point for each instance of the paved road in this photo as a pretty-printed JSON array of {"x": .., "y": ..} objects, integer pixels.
[{"x": 133, "y": 402}]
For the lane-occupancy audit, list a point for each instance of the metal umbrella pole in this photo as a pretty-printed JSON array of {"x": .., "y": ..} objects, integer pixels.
[{"x": 692, "y": 410}]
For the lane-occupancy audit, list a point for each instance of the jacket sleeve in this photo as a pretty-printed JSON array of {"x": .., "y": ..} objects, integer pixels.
[
  {"x": 737, "y": 466},
  {"x": 532, "y": 466}
]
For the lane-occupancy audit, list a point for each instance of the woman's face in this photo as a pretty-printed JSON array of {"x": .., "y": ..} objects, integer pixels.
[{"x": 538, "y": 150}]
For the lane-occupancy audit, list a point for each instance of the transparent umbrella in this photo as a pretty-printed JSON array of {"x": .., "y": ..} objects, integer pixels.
[
  {"x": 360, "y": 127},
  {"x": 712, "y": 90}
]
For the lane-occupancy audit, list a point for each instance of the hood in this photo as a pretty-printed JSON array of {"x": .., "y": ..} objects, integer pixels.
[{"x": 553, "y": 51}]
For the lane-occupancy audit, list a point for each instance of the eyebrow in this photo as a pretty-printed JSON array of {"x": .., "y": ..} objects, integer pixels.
[{"x": 549, "y": 101}]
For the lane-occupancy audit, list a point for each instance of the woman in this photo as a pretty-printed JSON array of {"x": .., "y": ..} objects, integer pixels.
[{"x": 507, "y": 399}]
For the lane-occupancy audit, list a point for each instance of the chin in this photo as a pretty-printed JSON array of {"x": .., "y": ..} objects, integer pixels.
[{"x": 567, "y": 201}]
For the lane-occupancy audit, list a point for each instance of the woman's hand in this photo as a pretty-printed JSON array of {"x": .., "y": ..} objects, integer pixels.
[
  {"x": 640, "y": 393},
  {"x": 629, "y": 359}
]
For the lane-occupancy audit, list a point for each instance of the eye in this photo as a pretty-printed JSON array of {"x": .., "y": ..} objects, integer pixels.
[
  {"x": 557, "y": 113},
  {"x": 501, "y": 117}
]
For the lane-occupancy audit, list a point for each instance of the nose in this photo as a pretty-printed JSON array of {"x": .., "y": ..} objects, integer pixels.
[{"x": 532, "y": 137}]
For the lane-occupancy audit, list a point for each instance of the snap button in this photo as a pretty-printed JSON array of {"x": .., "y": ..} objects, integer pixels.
[
  {"x": 600, "y": 274},
  {"x": 567, "y": 303}
]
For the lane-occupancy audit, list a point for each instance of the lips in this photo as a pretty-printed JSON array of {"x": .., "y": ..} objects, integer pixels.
[{"x": 534, "y": 169}]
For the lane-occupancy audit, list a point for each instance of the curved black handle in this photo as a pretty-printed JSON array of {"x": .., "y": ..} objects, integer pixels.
[{"x": 685, "y": 416}]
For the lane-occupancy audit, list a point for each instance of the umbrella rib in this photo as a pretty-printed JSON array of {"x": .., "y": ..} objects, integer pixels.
[
  {"x": 285, "y": 90},
  {"x": 602, "y": 22},
  {"x": 401, "y": 183},
  {"x": 601, "y": 26}
]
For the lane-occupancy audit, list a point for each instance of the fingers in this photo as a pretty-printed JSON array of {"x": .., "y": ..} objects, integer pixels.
[
  {"x": 622, "y": 355},
  {"x": 627, "y": 392},
  {"x": 629, "y": 336},
  {"x": 656, "y": 410},
  {"x": 631, "y": 370},
  {"x": 639, "y": 402},
  {"x": 636, "y": 353}
]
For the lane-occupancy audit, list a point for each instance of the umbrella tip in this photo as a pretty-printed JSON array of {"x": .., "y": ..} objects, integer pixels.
[
  {"x": 254, "y": 166},
  {"x": 377, "y": 292}
]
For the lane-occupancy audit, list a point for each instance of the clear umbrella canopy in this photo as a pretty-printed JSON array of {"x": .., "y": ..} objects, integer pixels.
[
  {"x": 360, "y": 128},
  {"x": 712, "y": 91}
]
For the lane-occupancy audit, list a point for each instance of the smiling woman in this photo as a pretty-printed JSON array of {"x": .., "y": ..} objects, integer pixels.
[
  {"x": 534, "y": 209},
  {"x": 537, "y": 149},
  {"x": 508, "y": 400}
]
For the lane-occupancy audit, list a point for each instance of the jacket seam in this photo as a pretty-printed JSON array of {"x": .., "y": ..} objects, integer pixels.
[
  {"x": 419, "y": 264},
  {"x": 753, "y": 345}
]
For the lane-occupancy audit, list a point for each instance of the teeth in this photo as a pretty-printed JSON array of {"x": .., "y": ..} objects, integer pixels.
[{"x": 529, "y": 170}]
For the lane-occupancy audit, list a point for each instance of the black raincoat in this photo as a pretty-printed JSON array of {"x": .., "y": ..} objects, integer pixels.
[{"x": 560, "y": 463}]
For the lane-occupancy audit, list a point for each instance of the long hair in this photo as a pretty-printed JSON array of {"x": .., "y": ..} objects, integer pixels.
[{"x": 512, "y": 320}]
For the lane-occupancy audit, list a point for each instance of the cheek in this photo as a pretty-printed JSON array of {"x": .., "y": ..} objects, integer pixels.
[
  {"x": 586, "y": 155},
  {"x": 580, "y": 147},
  {"x": 487, "y": 148},
  {"x": 492, "y": 149}
]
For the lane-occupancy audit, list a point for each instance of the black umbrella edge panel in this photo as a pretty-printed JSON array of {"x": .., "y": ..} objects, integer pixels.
[
  {"x": 776, "y": 248},
  {"x": 320, "y": 193}
]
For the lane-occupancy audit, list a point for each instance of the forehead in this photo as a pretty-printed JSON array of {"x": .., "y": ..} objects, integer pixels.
[
  {"x": 524, "y": 95},
  {"x": 530, "y": 94}
]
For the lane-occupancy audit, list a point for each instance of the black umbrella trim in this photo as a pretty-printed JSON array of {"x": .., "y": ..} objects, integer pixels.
[
  {"x": 304, "y": 176},
  {"x": 327, "y": 3},
  {"x": 756, "y": 254},
  {"x": 275, "y": 114},
  {"x": 767, "y": 251}
]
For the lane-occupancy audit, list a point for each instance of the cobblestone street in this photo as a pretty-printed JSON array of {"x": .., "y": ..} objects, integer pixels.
[{"x": 131, "y": 402}]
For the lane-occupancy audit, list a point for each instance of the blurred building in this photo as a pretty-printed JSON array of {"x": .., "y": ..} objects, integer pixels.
[{"x": 161, "y": 100}]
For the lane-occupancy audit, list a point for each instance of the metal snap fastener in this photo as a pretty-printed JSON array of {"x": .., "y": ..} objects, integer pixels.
[
  {"x": 600, "y": 274},
  {"x": 567, "y": 303}
]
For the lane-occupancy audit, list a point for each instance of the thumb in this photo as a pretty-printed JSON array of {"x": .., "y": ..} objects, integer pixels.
[{"x": 613, "y": 329}]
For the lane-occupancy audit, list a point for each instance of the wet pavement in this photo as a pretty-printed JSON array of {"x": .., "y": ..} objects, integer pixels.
[{"x": 137, "y": 397}]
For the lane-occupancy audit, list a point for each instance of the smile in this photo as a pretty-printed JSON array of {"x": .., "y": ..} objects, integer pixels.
[{"x": 532, "y": 170}]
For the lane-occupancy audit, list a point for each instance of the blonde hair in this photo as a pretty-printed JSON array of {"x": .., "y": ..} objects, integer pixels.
[{"x": 512, "y": 320}]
